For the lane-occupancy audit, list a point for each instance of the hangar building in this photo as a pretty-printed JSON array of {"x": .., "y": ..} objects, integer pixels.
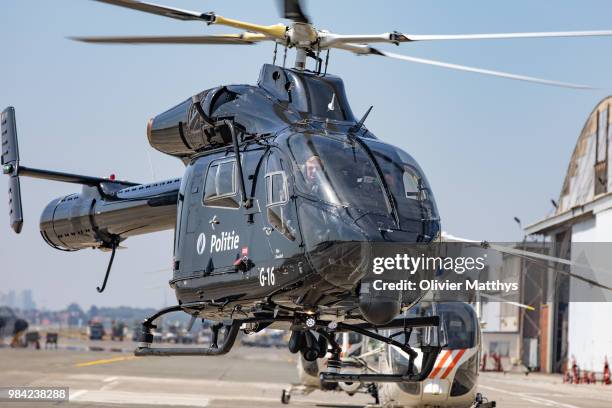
[{"x": 574, "y": 325}]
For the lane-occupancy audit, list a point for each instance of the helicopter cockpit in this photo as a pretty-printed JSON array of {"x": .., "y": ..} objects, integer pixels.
[
  {"x": 338, "y": 172},
  {"x": 360, "y": 187}
]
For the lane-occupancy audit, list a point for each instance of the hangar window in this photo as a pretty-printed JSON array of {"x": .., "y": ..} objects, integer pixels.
[
  {"x": 601, "y": 153},
  {"x": 602, "y": 132},
  {"x": 220, "y": 187}
]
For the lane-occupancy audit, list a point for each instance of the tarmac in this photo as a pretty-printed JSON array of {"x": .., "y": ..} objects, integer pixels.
[{"x": 112, "y": 376}]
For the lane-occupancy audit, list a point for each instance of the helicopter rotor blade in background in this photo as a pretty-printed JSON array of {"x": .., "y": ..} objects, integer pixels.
[
  {"x": 330, "y": 39},
  {"x": 237, "y": 39},
  {"x": 535, "y": 257},
  {"x": 366, "y": 50},
  {"x": 292, "y": 10},
  {"x": 486, "y": 71},
  {"x": 502, "y": 300}
]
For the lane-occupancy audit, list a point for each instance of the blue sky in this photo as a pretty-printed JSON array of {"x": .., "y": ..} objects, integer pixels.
[{"x": 492, "y": 148}]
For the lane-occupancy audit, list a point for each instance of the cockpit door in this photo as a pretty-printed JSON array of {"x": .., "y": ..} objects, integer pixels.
[
  {"x": 280, "y": 220},
  {"x": 221, "y": 235},
  {"x": 228, "y": 238}
]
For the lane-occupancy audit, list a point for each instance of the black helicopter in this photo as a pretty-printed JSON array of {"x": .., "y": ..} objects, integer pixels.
[{"x": 284, "y": 194}]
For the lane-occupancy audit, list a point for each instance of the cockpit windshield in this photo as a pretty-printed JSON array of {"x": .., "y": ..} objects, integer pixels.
[
  {"x": 337, "y": 171},
  {"x": 408, "y": 185}
]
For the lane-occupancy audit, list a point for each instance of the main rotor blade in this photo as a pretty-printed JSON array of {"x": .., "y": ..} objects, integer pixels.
[
  {"x": 366, "y": 50},
  {"x": 277, "y": 31},
  {"x": 331, "y": 39},
  {"x": 292, "y": 10},
  {"x": 487, "y": 71},
  {"x": 503, "y": 36},
  {"x": 165, "y": 11},
  {"x": 246, "y": 38}
]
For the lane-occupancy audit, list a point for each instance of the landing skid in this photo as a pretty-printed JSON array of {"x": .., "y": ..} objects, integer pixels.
[
  {"x": 327, "y": 329},
  {"x": 232, "y": 328},
  {"x": 295, "y": 389},
  {"x": 300, "y": 389}
]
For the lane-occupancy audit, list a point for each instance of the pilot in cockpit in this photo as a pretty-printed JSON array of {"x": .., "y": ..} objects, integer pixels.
[{"x": 314, "y": 173}]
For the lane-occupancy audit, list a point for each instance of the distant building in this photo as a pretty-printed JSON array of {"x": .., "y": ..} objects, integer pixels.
[
  {"x": 27, "y": 301},
  {"x": 509, "y": 331},
  {"x": 11, "y": 299},
  {"x": 22, "y": 301},
  {"x": 582, "y": 218}
]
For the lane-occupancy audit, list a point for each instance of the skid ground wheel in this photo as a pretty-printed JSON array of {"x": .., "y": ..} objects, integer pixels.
[{"x": 285, "y": 397}]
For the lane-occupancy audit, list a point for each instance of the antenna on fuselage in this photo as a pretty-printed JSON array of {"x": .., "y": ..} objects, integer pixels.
[{"x": 359, "y": 124}]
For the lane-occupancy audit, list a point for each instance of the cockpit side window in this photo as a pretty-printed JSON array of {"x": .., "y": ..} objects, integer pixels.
[
  {"x": 412, "y": 184},
  {"x": 277, "y": 195},
  {"x": 220, "y": 186},
  {"x": 276, "y": 188}
]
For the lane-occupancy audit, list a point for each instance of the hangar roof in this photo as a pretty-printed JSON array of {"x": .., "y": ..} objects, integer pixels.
[{"x": 587, "y": 187}]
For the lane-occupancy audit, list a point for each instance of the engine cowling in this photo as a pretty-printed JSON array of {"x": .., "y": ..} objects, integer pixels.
[{"x": 187, "y": 128}]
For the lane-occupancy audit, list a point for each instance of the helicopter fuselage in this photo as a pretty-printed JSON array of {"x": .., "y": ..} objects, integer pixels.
[{"x": 320, "y": 193}]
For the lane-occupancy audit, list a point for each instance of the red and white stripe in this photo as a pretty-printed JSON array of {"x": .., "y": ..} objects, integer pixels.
[{"x": 447, "y": 360}]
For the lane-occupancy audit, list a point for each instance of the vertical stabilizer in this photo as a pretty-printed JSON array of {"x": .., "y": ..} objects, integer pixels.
[{"x": 10, "y": 165}]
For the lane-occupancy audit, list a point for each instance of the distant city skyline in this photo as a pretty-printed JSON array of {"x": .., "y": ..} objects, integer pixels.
[{"x": 22, "y": 300}]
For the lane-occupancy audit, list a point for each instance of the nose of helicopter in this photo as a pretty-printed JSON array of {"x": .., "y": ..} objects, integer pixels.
[
  {"x": 344, "y": 256},
  {"x": 350, "y": 266}
]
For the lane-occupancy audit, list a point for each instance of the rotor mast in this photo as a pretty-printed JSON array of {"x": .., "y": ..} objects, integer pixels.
[{"x": 300, "y": 59}]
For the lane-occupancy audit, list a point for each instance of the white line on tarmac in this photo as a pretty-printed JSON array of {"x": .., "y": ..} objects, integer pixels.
[
  {"x": 182, "y": 381},
  {"x": 176, "y": 399},
  {"x": 76, "y": 394},
  {"x": 125, "y": 397},
  {"x": 530, "y": 398},
  {"x": 110, "y": 383},
  {"x": 109, "y": 386}
]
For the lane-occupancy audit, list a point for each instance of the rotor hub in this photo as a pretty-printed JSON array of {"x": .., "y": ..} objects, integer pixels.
[{"x": 302, "y": 35}]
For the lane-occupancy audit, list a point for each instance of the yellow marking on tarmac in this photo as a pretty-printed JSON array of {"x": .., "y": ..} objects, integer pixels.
[{"x": 105, "y": 361}]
